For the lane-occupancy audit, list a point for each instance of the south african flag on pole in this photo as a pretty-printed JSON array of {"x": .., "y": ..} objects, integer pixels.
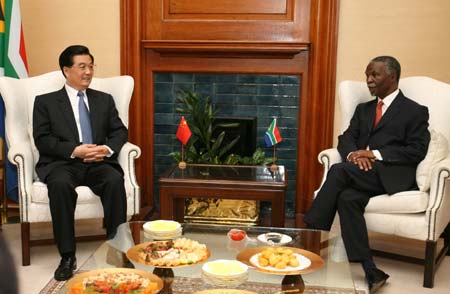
[
  {"x": 13, "y": 63},
  {"x": 272, "y": 135}
]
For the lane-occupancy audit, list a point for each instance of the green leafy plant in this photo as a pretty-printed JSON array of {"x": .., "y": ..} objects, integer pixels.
[{"x": 204, "y": 146}]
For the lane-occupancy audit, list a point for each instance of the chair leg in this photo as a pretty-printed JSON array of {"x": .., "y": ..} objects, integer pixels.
[
  {"x": 446, "y": 236},
  {"x": 4, "y": 200},
  {"x": 25, "y": 232},
  {"x": 430, "y": 264}
]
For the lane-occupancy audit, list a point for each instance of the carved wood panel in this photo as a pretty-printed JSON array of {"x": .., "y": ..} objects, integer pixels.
[
  {"x": 231, "y": 20},
  {"x": 228, "y": 9}
]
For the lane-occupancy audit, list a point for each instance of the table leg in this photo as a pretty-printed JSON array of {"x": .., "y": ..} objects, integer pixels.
[
  {"x": 178, "y": 212},
  {"x": 277, "y": 218},
  {"x": 165, "y": 204},
  {"x": 293, "y": 284}
]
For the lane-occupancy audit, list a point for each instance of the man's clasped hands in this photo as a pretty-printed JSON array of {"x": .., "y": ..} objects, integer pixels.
[
  {"x": 91, "y": 152},
  {"x": 362, "y": 158}
]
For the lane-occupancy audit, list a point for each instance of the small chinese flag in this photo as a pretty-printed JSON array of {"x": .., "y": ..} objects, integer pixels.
[{"x": 183, "y": 132}]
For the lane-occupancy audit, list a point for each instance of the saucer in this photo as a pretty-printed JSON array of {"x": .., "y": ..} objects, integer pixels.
[{"x": 285, "y": 239}]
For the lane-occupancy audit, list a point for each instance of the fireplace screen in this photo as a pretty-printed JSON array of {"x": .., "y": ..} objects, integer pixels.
[{"x": 225, "y": 211}]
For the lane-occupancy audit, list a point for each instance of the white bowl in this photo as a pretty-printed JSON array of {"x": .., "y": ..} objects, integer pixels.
[
  {"x": 225, "y": 273},
  {"x": 164, "y": 235},
  {"x": 161, "y": 226}
]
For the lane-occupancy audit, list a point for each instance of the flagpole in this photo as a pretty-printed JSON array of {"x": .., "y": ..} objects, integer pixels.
[
  {"x": 182, "y": 163},
  {"x": 274, "y": 166}
]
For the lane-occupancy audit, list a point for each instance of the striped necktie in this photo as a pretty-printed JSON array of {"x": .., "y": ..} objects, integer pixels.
[{"x": 85, "y": 120}]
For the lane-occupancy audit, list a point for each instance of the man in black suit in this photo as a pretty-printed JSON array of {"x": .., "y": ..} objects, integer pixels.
[
  {"x": 79, "y": 134},
  {"x": 385, "y": 141}
]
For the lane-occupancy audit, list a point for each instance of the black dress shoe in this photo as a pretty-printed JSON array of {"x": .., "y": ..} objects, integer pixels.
[
  {"x": 66, "y": 268},
  {"x": 376, "y": 279}
]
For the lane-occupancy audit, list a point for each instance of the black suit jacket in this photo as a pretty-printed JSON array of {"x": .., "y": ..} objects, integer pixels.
[
  {"x": 55, "y": 132},
  {"x": 401, "y": 136}
]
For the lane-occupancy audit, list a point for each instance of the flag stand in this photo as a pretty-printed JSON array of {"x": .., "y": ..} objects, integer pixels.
[
  {"x": 182, "y": 164},
  {"x": 274, "y": 167}
]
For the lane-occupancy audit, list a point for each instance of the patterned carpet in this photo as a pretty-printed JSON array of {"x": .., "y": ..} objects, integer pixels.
[{"x": 188, "y": 286}]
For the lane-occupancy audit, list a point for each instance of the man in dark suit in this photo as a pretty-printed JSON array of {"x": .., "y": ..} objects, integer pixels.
[
  {"x": 79, "y": 134},
  {"x": 385, "y": 141}
]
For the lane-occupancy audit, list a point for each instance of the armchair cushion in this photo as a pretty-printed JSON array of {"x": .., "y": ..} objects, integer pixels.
[
  {"x": 402, "y": 202},
  {"x": 437, "y": 151},
  {"x": 85, "y": 195}
]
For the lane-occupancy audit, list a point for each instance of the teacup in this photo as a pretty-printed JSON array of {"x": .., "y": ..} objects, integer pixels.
[{"x": 273, "y": 238}]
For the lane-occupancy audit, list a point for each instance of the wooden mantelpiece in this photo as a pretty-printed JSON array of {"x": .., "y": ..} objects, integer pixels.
[
  {"x": 297, "y": 37},
  {"x": 237, "y": 49}
]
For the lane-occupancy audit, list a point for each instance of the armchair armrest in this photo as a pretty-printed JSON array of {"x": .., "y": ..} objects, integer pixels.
[
  {"x": 438, "y": 210},
  {"x": 126, "y": 159},
  {"x": 327, "y": 158},
  {"x": 21, "y": 155}
]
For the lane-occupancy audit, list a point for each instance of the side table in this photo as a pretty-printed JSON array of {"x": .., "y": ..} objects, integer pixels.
[{"x": 222, "y": 182}]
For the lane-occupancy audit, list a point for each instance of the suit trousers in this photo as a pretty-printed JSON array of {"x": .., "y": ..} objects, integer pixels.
[
  {"x": 347, "y": 190},
  {"x": 103, "y": 179}
]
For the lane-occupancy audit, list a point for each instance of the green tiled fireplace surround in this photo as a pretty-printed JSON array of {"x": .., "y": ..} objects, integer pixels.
[{"x": 240, "y": 95}]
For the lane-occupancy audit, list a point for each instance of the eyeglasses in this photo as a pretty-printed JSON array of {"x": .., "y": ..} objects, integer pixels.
[{"x": 84, "y": 66}]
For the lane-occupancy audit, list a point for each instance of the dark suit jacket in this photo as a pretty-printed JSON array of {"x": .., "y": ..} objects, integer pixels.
[
  {"x": 401, "y": 136},
  {"x": 55, "y": 132}
]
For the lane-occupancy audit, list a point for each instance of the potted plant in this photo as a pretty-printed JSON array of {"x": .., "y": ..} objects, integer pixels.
[{"x": 204, "y": 146}]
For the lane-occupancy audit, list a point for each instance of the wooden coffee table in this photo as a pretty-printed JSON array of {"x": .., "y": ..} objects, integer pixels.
[{"x": 222, "y": 182}]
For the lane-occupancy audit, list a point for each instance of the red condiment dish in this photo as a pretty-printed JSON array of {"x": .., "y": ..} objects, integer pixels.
[{"x": 237, "y": 235}]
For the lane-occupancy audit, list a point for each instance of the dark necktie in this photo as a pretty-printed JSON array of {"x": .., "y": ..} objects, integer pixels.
[
  {"x": 85, "y": 120},
  {"x": 378, "y": 113}
]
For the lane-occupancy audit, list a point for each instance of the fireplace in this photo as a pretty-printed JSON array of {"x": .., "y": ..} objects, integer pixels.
[
  {"x": 294, "y": 38},
  {"x": 245, "y": 129},
  {"x": 254, "y": 99}
]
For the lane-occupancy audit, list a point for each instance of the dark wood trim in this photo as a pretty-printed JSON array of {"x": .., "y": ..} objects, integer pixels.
[
  {"x": 131, "y": 64},
  {"x": 316, "y": 131}
]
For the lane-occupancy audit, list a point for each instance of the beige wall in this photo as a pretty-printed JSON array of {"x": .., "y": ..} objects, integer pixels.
[
  {"x": 414, "y": 31},
  {"x": 49, "y": 26}
]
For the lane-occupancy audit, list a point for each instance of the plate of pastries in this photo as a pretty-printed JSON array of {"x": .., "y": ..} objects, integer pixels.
[{"x": 281, "y": 260}]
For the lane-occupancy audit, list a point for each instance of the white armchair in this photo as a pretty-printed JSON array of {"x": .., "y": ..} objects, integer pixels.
[
  {"x": 19, "y": 95},
  {"x": 424, "y": 214}
]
